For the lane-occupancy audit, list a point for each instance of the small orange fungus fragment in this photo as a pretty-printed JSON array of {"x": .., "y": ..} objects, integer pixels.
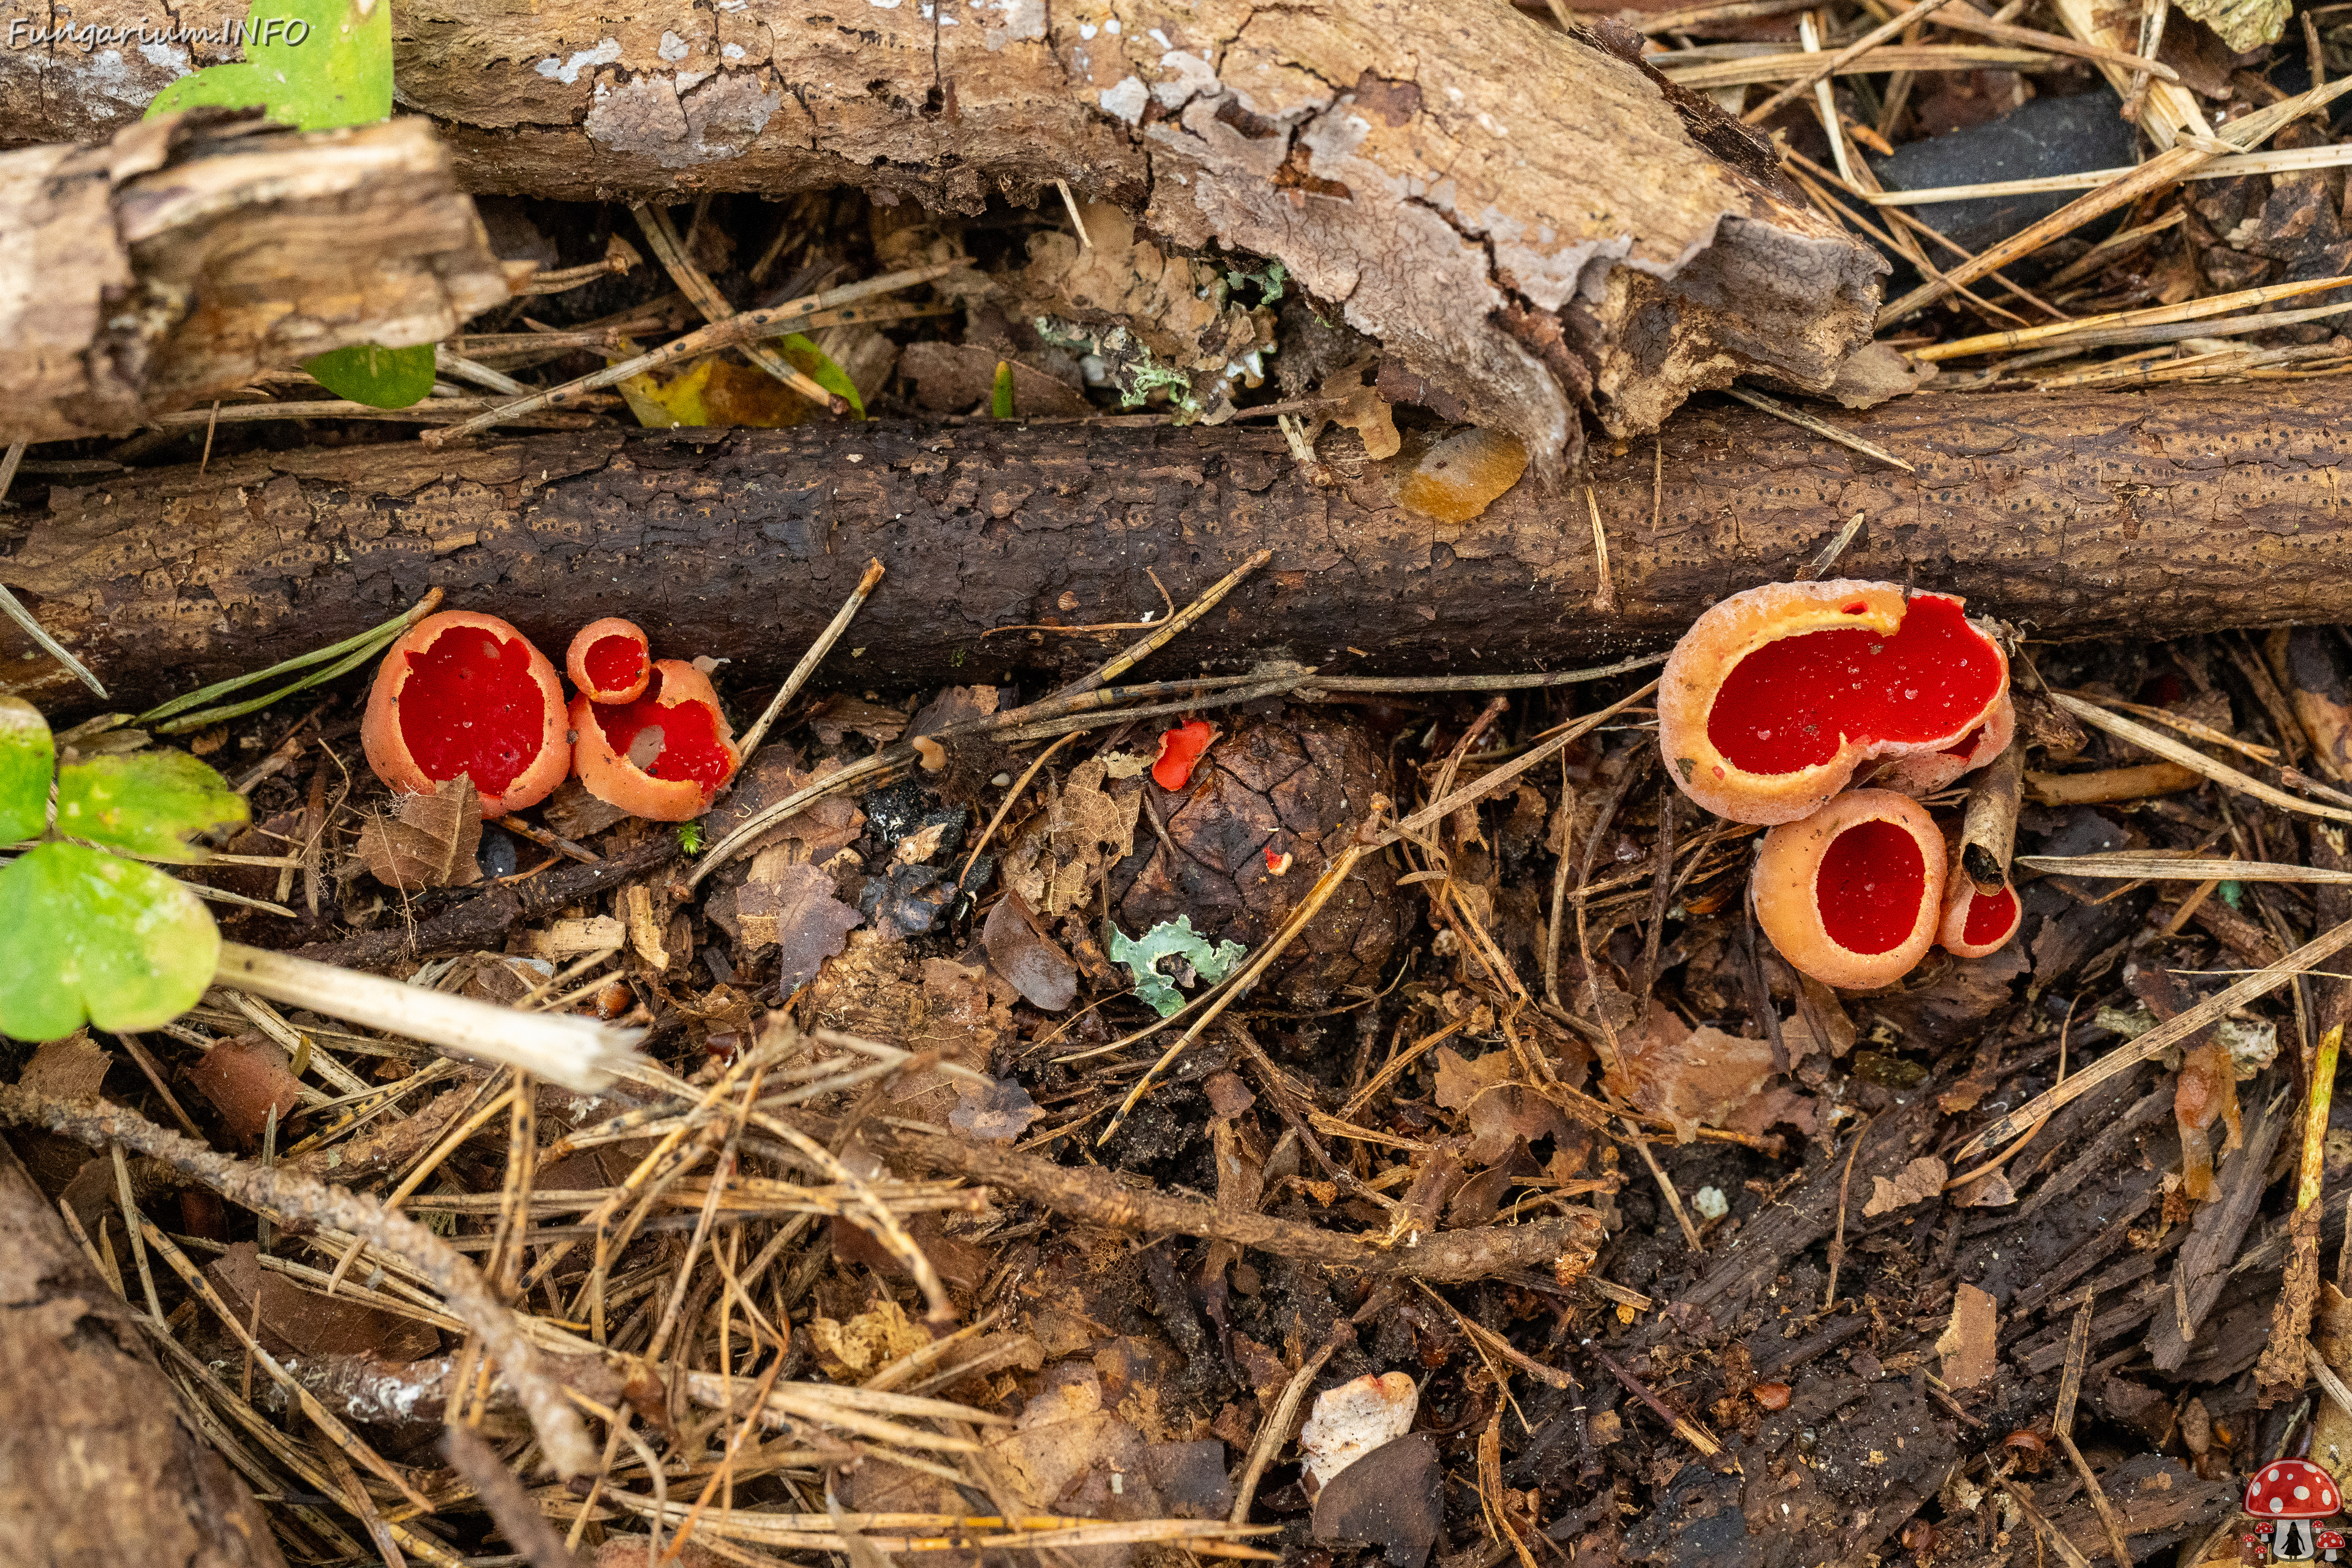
[
  {"x": 1180, "y": 749},
  {"x": 1464, "y": 475}
]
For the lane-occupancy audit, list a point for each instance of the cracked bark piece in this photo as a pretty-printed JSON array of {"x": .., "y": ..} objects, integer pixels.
[{"x": 1299, "y": 782}]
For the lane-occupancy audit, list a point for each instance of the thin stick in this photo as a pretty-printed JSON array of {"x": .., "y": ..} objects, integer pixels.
[
  {"x": 1837, "y": 1244},
  {"x": 1604, "y": 591},
  {"x": 1780, "y": 410},
  {"x": 9, "y": 462},
  {"x": 16, "y": 611},
  {"x": 2197, "y": 761},
  {"x": 1078, "y": 220},
  {"x": 2155, "y": 315},
  {"x": 1689, "y": 1430},
  {"x": 1277, "y": 1430},
  {"x": 1962, "y": 18},
  {"x": 130, "y": 1222},
  {"x": 815, "y": 657},
  {"x": 520, "y": 1520},
  {"x": 1838, "y": 61},
  {"x": 1005, "y": 809},
  {"x": 2291, "y": 1318},
  {"x": 2134, "y": 866},
  {"x": 1844, "y": 536},
  {"x": 671, "y": 252},
  {"x": 2172, "y": 1032},
  {"x": 1120, "y": 664},
  {"x": 578, "y": 1053},
  {"x": 1665, "y": 1184},
  {"x": 1988, "y": 830},
  {"x": 744, "y": 327}
]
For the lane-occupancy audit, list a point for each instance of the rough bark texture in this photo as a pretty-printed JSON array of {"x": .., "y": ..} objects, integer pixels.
[
  {"x": 1529, "y": 221},
  {"x": 2103, "y": 514},
  {"x": 172, "y": 263},
  {"x": 97, "y": 1467}
]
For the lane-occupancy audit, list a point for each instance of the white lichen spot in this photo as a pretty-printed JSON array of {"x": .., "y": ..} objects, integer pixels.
[
  {"x": 883, "y": 4},
  {"x": 1024, "y": 20},
  {"x": 1127, "y": 100},
  {"x": 1111, "y": 27},
  {"x": 675, "y": 48},
  {"x": 169, "y": 57},
  {"x": 1193, "y": 78},
  {"x": 606, "y": 52},
  {"x": 1088, "y": 29},
  {"x": 731, "y": 51},
  {"x": 1160, "y": 38}
]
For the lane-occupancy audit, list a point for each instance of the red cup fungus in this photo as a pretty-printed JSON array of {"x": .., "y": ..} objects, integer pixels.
[
  {"x": 1975, "y": 924},
  {"x": 1180, "y": 750},
  {"x": 664, "y": 755},
  {"x": 1775, "y": 696},
  {"x": 1926, "y": 772},
  {"x": 1854, "y": 894},
  {"x": 466, "y": 693},
  {"x": 610, "y": 660}
]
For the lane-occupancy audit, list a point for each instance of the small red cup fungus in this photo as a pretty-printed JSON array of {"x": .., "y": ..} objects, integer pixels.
[
  {"x": 610, "y": 660},
  {"x": 466, "y": 693},
  {"x": 663, "y": 756},
  {"x": 1925, "y": 772},
  {"x": 1775, "y": 696},
  {"x": 1180, "y": 750},
  {"x": 1976, "y": 925},
  {"x": 1853, "y": 894}
]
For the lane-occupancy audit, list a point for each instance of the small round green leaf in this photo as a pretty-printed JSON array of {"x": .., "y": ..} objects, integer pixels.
[
  {"x": 147, "y": 803},
  {"x": 377, "y": 376},
  {"x": 88, "y": 936},
  {"x": 27, "y": 757}
]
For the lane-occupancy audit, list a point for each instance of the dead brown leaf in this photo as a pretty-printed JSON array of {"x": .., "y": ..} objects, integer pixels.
[
  {"x": 790, "y": 906},
  {"x": 1060, "y": 855},
  {"x": 1033, "y": 965},
  {"x": 431, "y": 843},
  {"x": 844, "y": 716},
  {"x": 244, "y": 1075},
  {"x": 1693, "y": 1078},
  {"x": 1915, "y": 1182},
  {"x": 68, "y": 1069},
  {"x": 1967, "y": 1346},
  {"x": 1499, "y": 1111}
]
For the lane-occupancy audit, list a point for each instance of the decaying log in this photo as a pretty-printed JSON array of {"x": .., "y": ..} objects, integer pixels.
[
  {"x": 170, "y": 264},
  {"x": 96, "y": 1465},
  {"x": 1528, "y": 221},
  {"x": 2103, "y": 514}
]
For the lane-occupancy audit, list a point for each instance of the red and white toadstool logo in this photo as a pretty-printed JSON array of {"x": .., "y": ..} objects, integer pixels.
[{"x": 2293, "y": 1492}]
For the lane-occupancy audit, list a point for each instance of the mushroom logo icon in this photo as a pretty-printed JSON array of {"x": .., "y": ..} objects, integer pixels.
[{"x": 2291, "y": 1496}]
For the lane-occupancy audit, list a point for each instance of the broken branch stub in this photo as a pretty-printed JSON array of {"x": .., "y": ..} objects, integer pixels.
[
  {"x": 1531, "y": 224},
  {"x": 167, "y": 265}
]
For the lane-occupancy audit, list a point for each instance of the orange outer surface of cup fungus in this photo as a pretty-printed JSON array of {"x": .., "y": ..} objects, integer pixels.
[
  {"x": 610, "y": 660},
  {"x": 466, "y": 693},
  {"x": 1775, "y": 696},
  {"x": 1854, "y": 894},
  {"x": 1975, "y": 925},
  {"x": 663, "y": 756},
  {"x": 1925, "y": 772}
]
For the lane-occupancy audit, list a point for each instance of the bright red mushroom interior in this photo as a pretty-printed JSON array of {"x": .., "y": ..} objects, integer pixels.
[
  {"x": 1790, "y": 703},
  {"x": 675, "y": 743},
  {"x": 471, "y": 706},
  {"x": 1871, "y": 884},
  {"x": 1989, "y": 919},
  {"x": 614, "y": 663}
]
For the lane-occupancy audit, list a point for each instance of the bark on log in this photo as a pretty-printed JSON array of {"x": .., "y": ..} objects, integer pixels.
[
  {"x": 98, "y": 1467},
  {"x": 1531, "y": 223},
  {"x": 2107, "y": 513},
  {"x": 169, "y": 265}
]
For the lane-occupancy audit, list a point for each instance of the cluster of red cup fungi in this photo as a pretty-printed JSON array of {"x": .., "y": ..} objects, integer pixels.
[
  {"x": 466, "y": 693},
  {"x": 1771, "y": 704}
]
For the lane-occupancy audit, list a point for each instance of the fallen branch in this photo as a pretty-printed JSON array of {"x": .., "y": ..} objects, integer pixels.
[
  {"x": 1093, "y": 1196},
  {"x": 2092, "y": 514},
  {"x": 293, "y": 1200}
]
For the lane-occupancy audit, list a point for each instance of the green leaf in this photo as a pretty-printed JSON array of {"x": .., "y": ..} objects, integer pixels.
[
  {"x": 316, "y": 65},
  {"x": 375, "y": 375},
  {"x": 1172, "y": 938},
  {"x": 85, "y": 935},
  {"x": 999, "y": 400},
  {"x": 818, "y": 365},
  {"x": 146, "y": 803},
  {"x": 27, "y": 757}
]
